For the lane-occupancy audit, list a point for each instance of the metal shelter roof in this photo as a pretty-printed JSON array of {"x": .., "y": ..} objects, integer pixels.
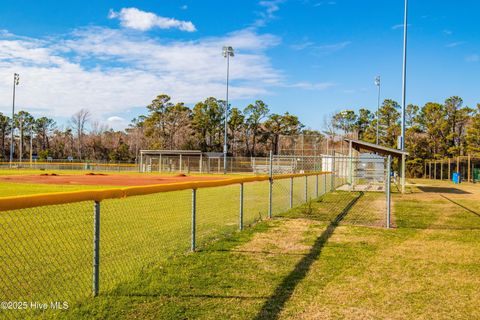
[
  {"x": 172, "y": 152},
  {"x": 362, "y": 145}
]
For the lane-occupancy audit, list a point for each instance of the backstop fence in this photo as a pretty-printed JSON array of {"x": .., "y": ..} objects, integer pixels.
[{"x": 67, "y": 246}]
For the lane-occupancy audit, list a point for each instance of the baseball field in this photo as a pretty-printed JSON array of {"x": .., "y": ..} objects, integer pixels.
[{"x": 328, "y": 257}]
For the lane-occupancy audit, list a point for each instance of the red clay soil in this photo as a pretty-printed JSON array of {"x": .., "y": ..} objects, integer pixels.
[{"x": 105, "y": 180}]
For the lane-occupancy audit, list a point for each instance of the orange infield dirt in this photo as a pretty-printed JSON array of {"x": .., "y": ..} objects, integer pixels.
[{"x": 105, "y": 179}]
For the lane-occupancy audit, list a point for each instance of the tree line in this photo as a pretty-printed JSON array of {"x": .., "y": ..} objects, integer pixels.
[
  {"x": 252, "y": 131},
  {"x": 433, "y": 131}
]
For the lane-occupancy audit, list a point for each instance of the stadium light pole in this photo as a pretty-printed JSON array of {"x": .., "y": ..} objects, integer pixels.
[
  {"x": 378, "y": 83},
  {"x": 16, "y": 80},
  {"x": 404, "y": 75},
  {"x": 404, "y": 91},
  {"x": 227, "y": 53}
]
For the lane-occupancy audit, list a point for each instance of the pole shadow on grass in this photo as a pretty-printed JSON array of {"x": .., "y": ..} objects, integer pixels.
[
  {"x": 274, "y": 305},
  {"x": 460, "y": 205}
]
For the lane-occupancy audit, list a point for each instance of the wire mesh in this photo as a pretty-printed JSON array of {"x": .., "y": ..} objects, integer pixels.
[
  {"x": 218, "y": 211},
  {"x": 256, "y": 202},
  {"x": 281, "y": 196},
  {"x": 137, "y": 232},
  {"x": 46, "y": 253}
]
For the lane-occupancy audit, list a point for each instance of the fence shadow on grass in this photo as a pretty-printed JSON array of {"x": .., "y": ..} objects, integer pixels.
[
  {"x": 442, "y": 190},
  {"x": 274, "y": 305},
  {"x": 460, "y": 205}
]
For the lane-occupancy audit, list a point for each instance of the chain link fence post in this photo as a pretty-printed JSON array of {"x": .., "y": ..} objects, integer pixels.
[
  {"x": 241, "y": 207},
  {"x": 270, "y": 191},
  {"x": 316, "y": 186},
  {"x": 96, "y": 247},
  {"x": 306, "y": 189},
  {"x": 291, "y": 193},
  {"x": 194, "y": 218},
  {"x": 324, "y": 183},
  {"x": 387, "y": 190},
  {"x": 333, "y": 174}
]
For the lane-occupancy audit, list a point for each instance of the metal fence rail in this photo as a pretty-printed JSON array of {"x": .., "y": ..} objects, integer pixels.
[
  {"x": 72, "y": 245},
  {"x": 68, "y": 246}
]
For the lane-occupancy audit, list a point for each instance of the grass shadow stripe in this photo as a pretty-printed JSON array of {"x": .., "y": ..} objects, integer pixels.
[
  {"x": 274, "y": 305},
  {"x": 460, "y": 205}
]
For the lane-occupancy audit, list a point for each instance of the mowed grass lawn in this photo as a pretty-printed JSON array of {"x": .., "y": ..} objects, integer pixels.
[
  {"x": 47, "y": 251},
  {"x": 311, "y": 263}
]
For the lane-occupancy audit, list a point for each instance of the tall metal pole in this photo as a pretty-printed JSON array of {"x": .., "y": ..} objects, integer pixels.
[
  {"x": 225, "y": 147},
  {"x": 404, "y": 73},
  {"x": 404, "y": 90},
  {"x": 378, "y": 83},
  {"x": 227, "y": 53},
  {"x": 15, "y": 83}
]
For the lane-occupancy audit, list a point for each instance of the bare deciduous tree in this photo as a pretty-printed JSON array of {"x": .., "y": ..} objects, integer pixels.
[{"x": 79, "y": 121}]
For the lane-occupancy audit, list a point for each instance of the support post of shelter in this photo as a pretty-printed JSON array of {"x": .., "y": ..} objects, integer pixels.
[
  {"x": 468, "y": 170},
  {"x": 449, "y": 173},
  {"x": 403, "y": 173},
  {"x": 441, "y": 170}
]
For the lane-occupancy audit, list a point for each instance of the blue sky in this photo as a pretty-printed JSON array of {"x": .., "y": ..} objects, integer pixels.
[{"x": 308, "y": 57}]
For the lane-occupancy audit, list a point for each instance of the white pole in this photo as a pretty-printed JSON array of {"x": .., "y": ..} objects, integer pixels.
[{"x": 404, "y": 75}]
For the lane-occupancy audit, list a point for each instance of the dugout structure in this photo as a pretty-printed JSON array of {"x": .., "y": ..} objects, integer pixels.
[
  {"x": 171, "y": 160},
  {"x": 181, "y": 161},
  {"x": 187, "y": 161}
]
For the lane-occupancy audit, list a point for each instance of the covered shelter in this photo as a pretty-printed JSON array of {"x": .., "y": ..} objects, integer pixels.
[
  {"x": 361, "y": 146},
  {"x": 170, "y": 160}
]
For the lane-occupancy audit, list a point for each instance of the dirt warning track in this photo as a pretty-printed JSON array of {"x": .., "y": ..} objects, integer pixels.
[{"x": 104, "y": 179}]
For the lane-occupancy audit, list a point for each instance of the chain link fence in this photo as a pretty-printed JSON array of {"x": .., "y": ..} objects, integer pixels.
[
  {"x": 361, "y": 184},
  {"x": 67, "y": 252}
]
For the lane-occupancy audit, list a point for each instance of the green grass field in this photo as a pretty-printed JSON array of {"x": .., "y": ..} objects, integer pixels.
[
  {"x": 327, "y": 259},
  {"x": 47, "y": 251},
  {"x": 312, "y": 263}
]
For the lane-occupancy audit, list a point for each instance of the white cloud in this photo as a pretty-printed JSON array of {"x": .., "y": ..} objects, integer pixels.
[
  {"x": 302, "y": 45},
  {"x": 111, "y": 71},
  {"x": 323, "y": 3},
  {"x": 472, "y": 58},
  {"x": 134, "y": 18},
  {"x": 117, "y": 123},
  {"x": 312, "y": 86},
  {"x": 270, "y": 7},
  {"x": 454, "y": 44},
  {"x": 331, "y": 48},
  {"x": 399, "y": 26}
]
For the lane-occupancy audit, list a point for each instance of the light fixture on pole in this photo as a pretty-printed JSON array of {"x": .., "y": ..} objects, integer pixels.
[
  {"x": 227, "y": 53},
  {"x": 16, "y": 80},
  {"x": 378, "y": 83}
]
